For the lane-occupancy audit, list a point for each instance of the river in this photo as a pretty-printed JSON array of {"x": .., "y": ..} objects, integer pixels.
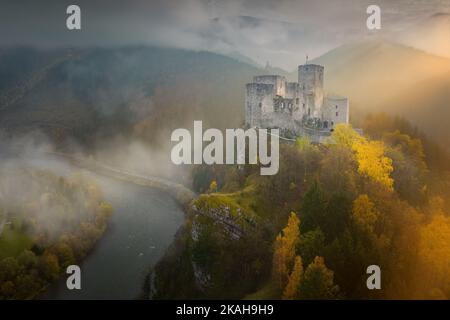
[{"x": 140, "y": 230}]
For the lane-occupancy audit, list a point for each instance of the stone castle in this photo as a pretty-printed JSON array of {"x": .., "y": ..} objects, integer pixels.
[{"x": 296, "y": 108}]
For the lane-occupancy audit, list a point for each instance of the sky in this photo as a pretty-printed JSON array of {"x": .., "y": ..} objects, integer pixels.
[{"x": 280, "y": 32}]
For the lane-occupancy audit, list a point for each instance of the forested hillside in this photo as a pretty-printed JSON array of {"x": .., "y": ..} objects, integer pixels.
[
  {"x": 99, "y": 92},
  {"x": 311, "y": 231}
]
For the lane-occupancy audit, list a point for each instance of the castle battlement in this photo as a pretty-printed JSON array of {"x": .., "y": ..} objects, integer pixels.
[{"x": 296, "y": 108}]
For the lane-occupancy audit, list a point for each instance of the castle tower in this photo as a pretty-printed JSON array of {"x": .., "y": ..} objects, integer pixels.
[
  {"x": 259, "y": 102},
  {"x": 278, "y": 82},
  {"x": 310, "y": 79}
]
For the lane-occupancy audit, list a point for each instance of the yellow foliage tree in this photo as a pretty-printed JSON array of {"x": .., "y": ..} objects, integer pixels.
[
  {"x": 344, "y": 134},
  {"x": 291, "y": 290},
  {"x": 302, "y": 143},
  {"x": 434, "y": 258},
  {"x": 212, "y": 186},
  {"x": 364, "y": 212},
  {"x": 369, "y": 154},
  {"x": 104, "y": 212},
  {"x": 284, "y": 253},
  {"x": 373, "y": 163},
  {"x": 318, "y": 282}
]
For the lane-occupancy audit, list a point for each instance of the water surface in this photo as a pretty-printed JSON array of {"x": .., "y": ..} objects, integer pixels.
[{"x": 142, "y": 227}]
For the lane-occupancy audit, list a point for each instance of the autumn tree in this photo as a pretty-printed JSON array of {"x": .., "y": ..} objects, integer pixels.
[
  {"x": 317, "y": 282},
  {"x": 344, "y": 135},
  {"x": 104, "y": 212},
  {"x": 212, "y": 186},
  {"x": 364, "y": 212},
  {"x": 65, "y": 254},
  {"x": 309, "y": 156},
  {"x": 370, "y": 155},
  {"x": 27, "y": 285},
  {"x": 285, "y": 249},
  {"x": 410, "y": 169},
  {"x": 27, "y": 259},
  {"x": 373, "y": 163},
  {"x": 433, "y": 268},
  {"x": 338, "y": 171},
  {"x": 291, "y": 290},
  {"x": 303, "y": 143},
  {"x": 49, "y": 266},
  {"x": 9, "y": 267}
]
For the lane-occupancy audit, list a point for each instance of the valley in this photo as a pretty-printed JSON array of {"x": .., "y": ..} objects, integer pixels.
[{"x": 336, "y": 206}]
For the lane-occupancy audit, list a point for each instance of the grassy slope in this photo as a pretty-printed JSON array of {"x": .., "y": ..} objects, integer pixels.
[{"x": 13, "y": 241}]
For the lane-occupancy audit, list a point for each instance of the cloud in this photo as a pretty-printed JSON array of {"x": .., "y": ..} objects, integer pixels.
[{"x": 281, "y": 32}]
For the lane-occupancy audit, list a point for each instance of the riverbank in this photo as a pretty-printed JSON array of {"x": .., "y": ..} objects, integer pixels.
[
  {"x": 54, "y": 222},
  {"x": 139, "y": 233}
]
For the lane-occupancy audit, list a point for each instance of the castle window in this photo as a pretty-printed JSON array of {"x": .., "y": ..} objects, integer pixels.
[
  {"x": 337, "y": 113},
  {"x": 332, "y": 123},
  {"x": 309, "y": 111},
  {"x": 260, "y": 105},
  {"x": 297, "y": 101},
  {"x": 303, "y": 106},
  {"x": 336, "y": 106}
]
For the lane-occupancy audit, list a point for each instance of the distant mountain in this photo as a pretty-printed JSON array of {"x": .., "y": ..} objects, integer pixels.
[
  {"x": 431, "y": 35},
  {"x": 19, "y": 63},
  {"x": 87, "y": 92},
  {"x": 242, "y": 58},
  {"x": 373, "y": 71},
  {"x": 149, "y": 91},
  {"x": 383, "y": 76}
]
